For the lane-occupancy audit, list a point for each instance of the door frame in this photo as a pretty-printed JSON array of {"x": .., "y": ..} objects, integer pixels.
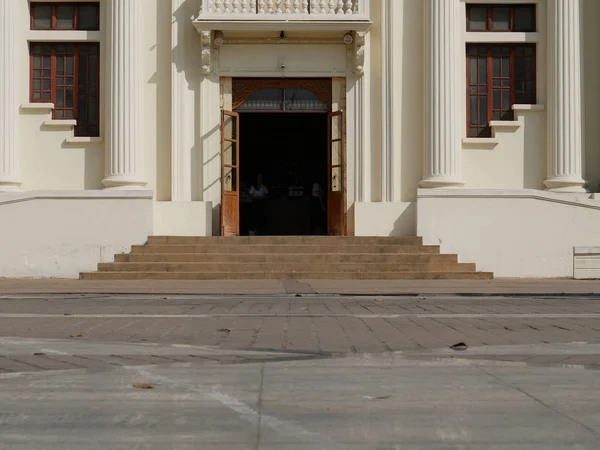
[
  {"x": 230, "y": 200},
  {"x": 337, "y": 98}
]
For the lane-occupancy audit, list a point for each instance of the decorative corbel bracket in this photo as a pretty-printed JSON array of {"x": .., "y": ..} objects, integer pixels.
[
  {"x": 360, "y": 39},
  {"x": 206, "y": 52}
]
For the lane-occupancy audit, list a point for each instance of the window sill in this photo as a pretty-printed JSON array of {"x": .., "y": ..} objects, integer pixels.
[
  {"x": 490, "y": 37},
  {"x": 38, "y": 106},
  {"x": 84, "y": 140},
  {"x": 60, "y": 123},
  {"x": 63, "y": 36},
  {"x": 505, "y": 124},
  {"x": 528, "y": 107},
  {"x": 480, "y": 142}
]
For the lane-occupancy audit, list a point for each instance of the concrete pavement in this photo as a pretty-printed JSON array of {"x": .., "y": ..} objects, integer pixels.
[
  {"x": 299, "y": 371},
  {"x": 389, "y": 401},
  {"x": 500, "y": 286},
  {"x": 315, "y": 324}
]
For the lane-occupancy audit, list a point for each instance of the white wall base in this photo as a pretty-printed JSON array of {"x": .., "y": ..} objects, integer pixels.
[
  {"x": 517, "y": 233},
  {"x": 385, "y": 219},
  {"x": 62, "y": 233},
  {"x": 183, "y": 219}
]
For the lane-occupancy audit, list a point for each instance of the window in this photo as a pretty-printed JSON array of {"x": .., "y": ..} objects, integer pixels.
[
  {"x": 68, "y": 76},
  {"x": 485, "y": 18},
  {"x": 498, "y": 77},
  {"x": 65, "y": 16}
]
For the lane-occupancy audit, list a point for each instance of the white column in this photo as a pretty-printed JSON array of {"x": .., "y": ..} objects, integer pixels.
[
  {"x": 9, "y": 108},
  {"x": 565, "y": 128},
  {"x": 443, "y": 94},
  {"x": 124, "y": 95}
]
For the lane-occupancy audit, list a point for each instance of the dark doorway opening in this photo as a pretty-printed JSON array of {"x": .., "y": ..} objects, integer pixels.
[{"x": 290, "y": 151}]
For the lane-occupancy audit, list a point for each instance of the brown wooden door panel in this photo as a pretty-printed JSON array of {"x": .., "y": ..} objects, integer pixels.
[
  {"x": 336, "y": 169},
  {"x": 230, "y": 174}
]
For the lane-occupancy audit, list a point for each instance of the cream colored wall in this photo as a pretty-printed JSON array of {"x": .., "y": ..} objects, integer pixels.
[
  {"x": 591, "y": 69},
  {"x": 157, "y": 96},
  {"x": 519, "y": 160},
  {"x": 513, "y": 233},
  {"x": 47, "y": 160},
  {"x": 409, "y": 95},
  {"x": 62, "y": 233}
]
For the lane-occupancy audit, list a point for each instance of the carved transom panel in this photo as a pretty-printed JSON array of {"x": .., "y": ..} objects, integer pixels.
[{"x": 245, "y": 87}]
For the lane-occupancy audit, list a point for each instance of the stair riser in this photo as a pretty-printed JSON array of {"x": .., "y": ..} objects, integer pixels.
[
  {"x": 288, "y": 276},
  {"x": 391, "y": 258},
  {"x": 300, "y": 249},
  {"x": 284, "y": 240},
  {"x": 273, "y": 268}
]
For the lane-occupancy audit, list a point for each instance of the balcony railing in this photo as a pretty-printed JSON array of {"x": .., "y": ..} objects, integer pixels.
[{"x": 291, "y": 9}]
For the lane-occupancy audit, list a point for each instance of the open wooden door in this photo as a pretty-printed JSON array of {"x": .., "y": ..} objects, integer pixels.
[
  {"x": 230, "y": 174},
  {"x": 336, "y": 169}
]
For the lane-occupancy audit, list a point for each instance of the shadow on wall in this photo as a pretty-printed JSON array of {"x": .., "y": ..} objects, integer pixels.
[
  {"x": 406, "y": 223},
  {"x": 534, "y": 149},
  {"x": 188, "y": 43},
  {"x": 93, "y": 168},
  {"x": 591, "y": 103},
  {"x": 161, "y": 79},
  {"x": 211, "y": 183},
  {"x": 413, "y": 94}
]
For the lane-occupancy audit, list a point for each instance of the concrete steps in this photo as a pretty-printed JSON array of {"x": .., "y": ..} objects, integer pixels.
[
  {"x": 282, "y": 267},
  {"x": 279, "y": 258},
  {"x": 284, "y": 257}
]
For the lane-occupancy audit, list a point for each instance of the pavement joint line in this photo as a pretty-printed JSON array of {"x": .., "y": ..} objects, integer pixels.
[{"x": 306, "y": 316}]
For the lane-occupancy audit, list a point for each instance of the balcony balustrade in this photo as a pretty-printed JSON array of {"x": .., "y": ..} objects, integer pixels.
[{"x": 337, "y": 14}]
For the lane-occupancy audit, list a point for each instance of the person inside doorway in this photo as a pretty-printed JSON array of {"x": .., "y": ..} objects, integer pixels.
[
  {"x": 259, "y": 194},
  {"x": 317, "y": 209}
]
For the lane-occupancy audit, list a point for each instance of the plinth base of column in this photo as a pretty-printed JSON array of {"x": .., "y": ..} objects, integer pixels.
[
  {"x": 123, "y": 183},
  {"x": 441, "y": 182},
  {"x": 10, "y": 186},
  {"x": 571, "y": 185}
]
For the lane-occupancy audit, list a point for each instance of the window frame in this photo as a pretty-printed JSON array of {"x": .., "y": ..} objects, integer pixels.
[
  {"x": 513, "y": 88},
  {"x": 511, "y": 27},
  {"x": 76, "y": 84},
  {"x": 53, "y": 19}
]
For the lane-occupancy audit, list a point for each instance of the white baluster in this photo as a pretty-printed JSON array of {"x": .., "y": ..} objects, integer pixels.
[
  {"x": 332, "y": 6},
  {"x": 252, "y": 5},
  {"x": 236, "y": 6},
  {"x": 261, "y": 6},
  {"x": 218, "y": 6},
  {"x": 340, "y": 7},
  {"x": 304, "y": 6},
  {"x": 323, "y": 7},
  {"x": 245, "y": 6},
  {"x": 279, "y": 6},
  {"x": 348, "y": 6},
  {"x": 288, "y": 7},
  {"x": 296, "y": 7},
  {"x": 270, "y": 7}
]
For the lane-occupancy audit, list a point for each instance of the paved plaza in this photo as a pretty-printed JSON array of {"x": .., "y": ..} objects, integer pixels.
[{"x": 299, "y": 371}]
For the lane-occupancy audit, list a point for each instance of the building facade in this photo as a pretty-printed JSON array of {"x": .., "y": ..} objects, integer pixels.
[{"x": 471, "y": 123}]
